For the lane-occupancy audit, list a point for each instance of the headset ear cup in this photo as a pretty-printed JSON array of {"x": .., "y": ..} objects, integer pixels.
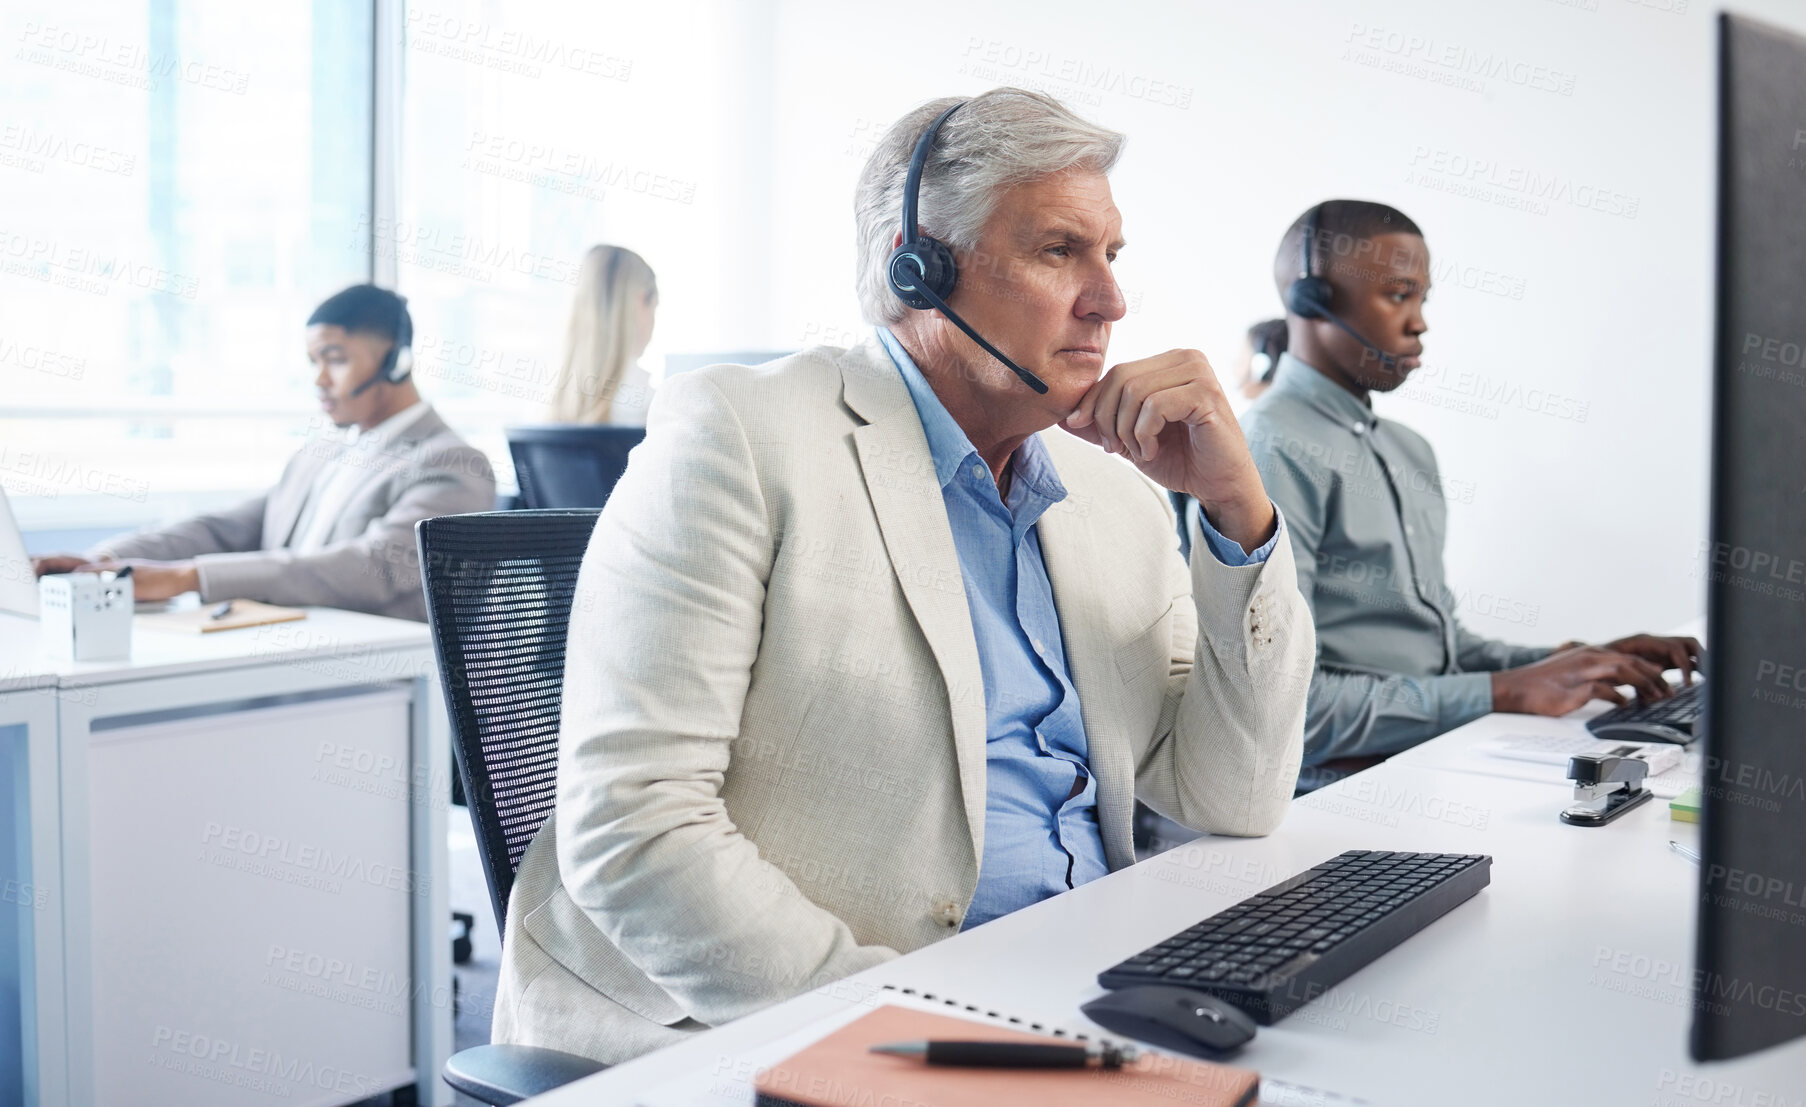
[
  {"x": 1309, "y": 298},
  {"x": 401, "y": 364},
  {"x": 924, "y": 262}
]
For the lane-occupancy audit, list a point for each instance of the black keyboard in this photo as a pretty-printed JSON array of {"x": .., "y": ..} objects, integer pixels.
[
  {"x": 1678, "y": 711},
  {"x": 1274, "y": 952}
]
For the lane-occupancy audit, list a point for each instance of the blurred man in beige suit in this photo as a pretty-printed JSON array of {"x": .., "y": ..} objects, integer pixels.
[
  {"x": 338, "y": 528},
  {"x": 866, "y": 649}
]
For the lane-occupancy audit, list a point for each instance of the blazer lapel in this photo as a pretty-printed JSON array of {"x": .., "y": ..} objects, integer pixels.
[
  {"x": 912, "y": 516},
  {"x": 1079, "y": 571}
]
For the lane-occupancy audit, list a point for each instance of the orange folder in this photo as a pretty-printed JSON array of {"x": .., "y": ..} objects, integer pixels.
[{"x": 839, "y": 1071}]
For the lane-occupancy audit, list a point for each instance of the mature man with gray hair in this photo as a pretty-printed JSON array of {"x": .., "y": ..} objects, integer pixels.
[{"x": 865, "y": 652}]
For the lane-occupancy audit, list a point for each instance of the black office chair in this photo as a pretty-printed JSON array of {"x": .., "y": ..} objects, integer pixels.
[
  {"x": 570, "y": 466},
  {"x": 498, "y": 599}
]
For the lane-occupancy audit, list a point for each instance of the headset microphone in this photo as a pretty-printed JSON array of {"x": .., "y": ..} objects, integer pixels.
[
  {"x": 1309, "y": 296},
  {"x": 398, "y": 363},
  {"x": 922, "y": 271}
]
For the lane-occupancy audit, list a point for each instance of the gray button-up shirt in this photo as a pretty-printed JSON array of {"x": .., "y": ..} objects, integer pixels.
[{"x": 1364, "y": 504}]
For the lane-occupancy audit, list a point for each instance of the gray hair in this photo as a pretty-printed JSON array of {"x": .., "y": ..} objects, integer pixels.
[{"x": 1002, "y": 138}]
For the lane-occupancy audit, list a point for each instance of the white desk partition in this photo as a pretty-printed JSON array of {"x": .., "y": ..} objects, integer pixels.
[
  {"x": 1567, "y": 981},
  {"x": 253, "y": 903},
  {"x": 30, "y": 915},
  {"x": 234, "y": 846}
]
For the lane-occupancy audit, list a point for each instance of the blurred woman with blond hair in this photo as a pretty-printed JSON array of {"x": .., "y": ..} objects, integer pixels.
[{"x": 611, "y": 324}]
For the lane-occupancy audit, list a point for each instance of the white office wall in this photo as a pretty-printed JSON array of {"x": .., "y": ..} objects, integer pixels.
[{"x": 1558, "y": 155}]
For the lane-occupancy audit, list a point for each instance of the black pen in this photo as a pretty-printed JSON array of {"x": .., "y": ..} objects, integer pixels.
[
  {"x": 1013, "y": 1055},
  {"x": 221, "y": 611}
]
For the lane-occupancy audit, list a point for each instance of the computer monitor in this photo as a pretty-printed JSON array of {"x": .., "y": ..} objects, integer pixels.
[
  {"x": 683, "y": 363},
  {"x": 1749, "y": 983},
  {"x": 18, "y": 584},
  {"x": 572, "y": 466}
]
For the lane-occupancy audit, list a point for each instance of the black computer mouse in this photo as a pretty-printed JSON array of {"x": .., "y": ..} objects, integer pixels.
[
  {"x": 1180, "y": 1019},
  {"x": 1642, "y": 732}
]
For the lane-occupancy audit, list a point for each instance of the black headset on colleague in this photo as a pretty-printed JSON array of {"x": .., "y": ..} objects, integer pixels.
[
  {"x": 398, "y": 363},
  {"x": 1309, "y": 296},
  {"x": 922, "y": 270}
]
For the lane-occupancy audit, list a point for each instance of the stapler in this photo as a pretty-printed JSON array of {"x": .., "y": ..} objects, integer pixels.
[{"x": 1605, "y": 787}]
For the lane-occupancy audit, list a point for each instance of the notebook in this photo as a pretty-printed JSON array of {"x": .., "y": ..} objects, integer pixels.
[
  {"x": 840, "y": 1069},
  {"x": 200, "y": 620},
  {"x": 729, "y": 1082}
]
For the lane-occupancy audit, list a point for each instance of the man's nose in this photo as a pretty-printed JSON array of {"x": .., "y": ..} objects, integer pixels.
[{"x": 1100, "y": 296}]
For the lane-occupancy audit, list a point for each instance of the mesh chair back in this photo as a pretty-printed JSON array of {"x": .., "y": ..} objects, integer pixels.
[
  {"x": 498, "y": 599},
  {"x": 570, "y": 466}
]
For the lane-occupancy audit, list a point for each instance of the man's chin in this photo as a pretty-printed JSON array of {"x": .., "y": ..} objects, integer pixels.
[{"x": 1390, "y": 380}]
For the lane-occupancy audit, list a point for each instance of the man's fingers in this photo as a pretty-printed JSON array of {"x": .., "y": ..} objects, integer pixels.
[
  {"x": 1088, "y": 432},
  {"x": 1604, "y": 690},
  {"x": 1100, "y": 404},
  {"x": 1643, "y": 676},
  {"x": 1158, "y": 410},
  {"x": 1694, "y": 651},
  {"x": 1674, "y": 656},
  {"x": 1134, "y": 397}
]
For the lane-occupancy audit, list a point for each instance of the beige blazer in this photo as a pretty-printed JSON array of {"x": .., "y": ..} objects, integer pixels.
[
  {"x": 772, "y": 766},
  {"x": 369, "y": 563}
]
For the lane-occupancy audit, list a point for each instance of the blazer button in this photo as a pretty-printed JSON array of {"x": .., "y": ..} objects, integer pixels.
[{"x": 946, "y": 912}]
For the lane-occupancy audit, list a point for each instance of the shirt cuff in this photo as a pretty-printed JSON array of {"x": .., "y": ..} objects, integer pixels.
[
  {"x": 1463, "y": 697},
  {"x": 1231, "y": 553}
]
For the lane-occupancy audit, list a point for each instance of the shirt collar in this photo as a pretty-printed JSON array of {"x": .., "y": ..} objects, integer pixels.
[
  {"x": 1325, "y": 395},
  {"x": 948, "y": 445},
  {"x": 389, "y": 428}
]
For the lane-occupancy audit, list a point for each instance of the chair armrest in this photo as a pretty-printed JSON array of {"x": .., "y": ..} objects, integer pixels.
[{"x": 505, "y": 1074}]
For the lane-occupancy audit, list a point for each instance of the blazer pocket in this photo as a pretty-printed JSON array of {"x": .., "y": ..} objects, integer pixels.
[
  {"x": 570, "y": 938},
  {"x": 1151, "y": 646}
]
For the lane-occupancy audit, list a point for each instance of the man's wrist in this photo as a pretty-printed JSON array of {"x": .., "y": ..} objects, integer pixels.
[
  {"x": 1502, "y": 697},
  {"x": 1248, "y": 524},
  {"x": 191, "y": 577}
]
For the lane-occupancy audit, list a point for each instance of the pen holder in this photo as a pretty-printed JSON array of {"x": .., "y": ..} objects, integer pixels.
[{"x": 86, "y": 616}]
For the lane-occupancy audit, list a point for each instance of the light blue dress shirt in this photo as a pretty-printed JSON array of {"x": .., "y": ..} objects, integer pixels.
[{"x": 1041, "y": 829}]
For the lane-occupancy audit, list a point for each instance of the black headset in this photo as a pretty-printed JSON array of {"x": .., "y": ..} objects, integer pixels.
[
  {"x": 1310, "y": 296},
  {"x": 398, "y": 363},
  {"x": 922, "y": 271}
]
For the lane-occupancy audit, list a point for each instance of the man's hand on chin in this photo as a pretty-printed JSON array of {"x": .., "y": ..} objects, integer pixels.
[
  {"x": 154, "y": 580},
  {"x": 1167, "y": 414}
]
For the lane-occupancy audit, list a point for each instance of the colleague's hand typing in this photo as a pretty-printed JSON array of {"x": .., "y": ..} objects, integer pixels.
[
  {"x": 56, "y": 563},
  {"x": 1168, "y": 415},
  {"x": 1567, "y": 679},
  {"x": 153, "y": 580},
  {"x": 1681, "y": 653}
]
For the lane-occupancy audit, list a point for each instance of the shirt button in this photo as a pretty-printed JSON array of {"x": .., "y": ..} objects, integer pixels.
[
  {"x": 1409, "y": 529},
  {"x": 1360, "y": 428},
  {"x": 978, "y": 470},
  {"x": 946, "y": 912}
]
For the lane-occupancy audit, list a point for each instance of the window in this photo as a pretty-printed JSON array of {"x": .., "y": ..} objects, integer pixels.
[{"x": 183, "y": 184}]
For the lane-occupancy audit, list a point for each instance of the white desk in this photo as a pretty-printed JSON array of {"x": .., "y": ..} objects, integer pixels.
[
  {"x": 225, "y": 865},
  {"x": 1564, "y": 982}
]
